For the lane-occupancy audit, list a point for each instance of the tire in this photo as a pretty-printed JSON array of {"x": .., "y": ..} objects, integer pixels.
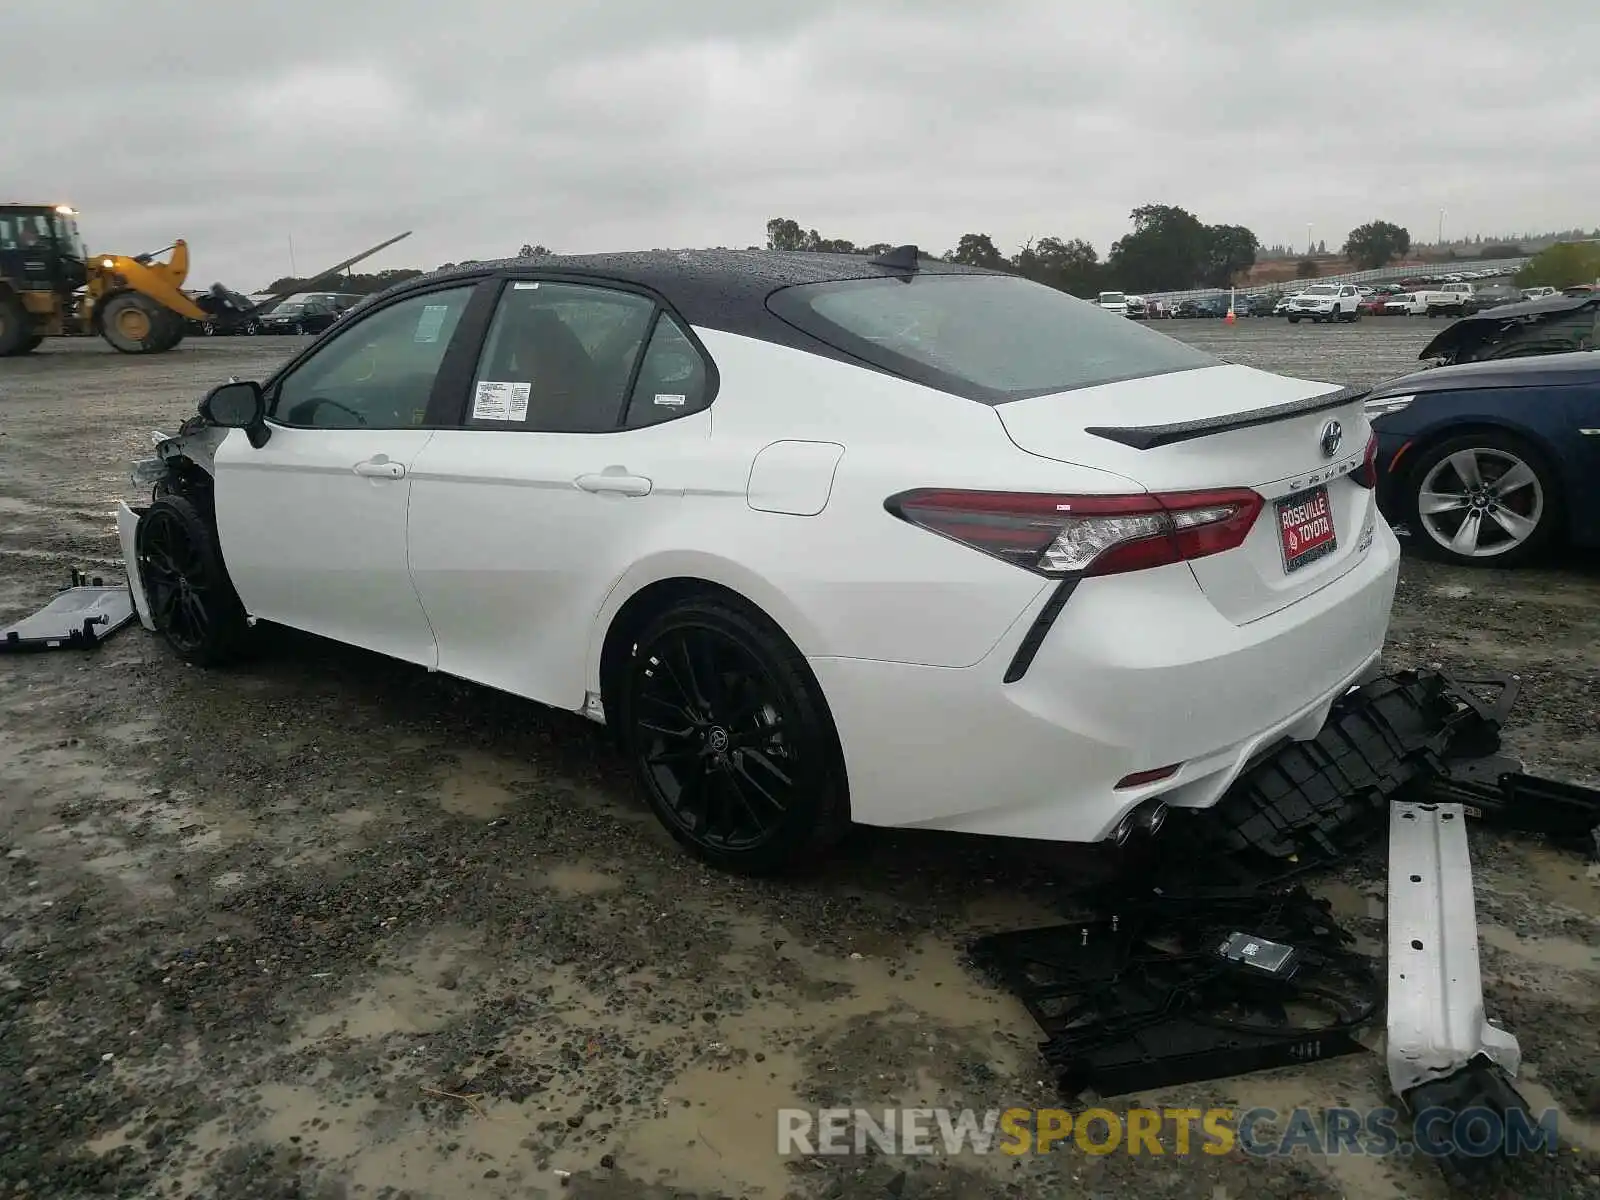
[
  {"x": 250, "y": 329},
  {"x": 209, "y": 329},
  {"x": 192, "y": 601},
  {"x": 170, "y": 331},
  {"x": 135, "y": 324},
  {"x": 1294, "y": 320},
  {"x": 1538, "y": 501},
  {"x": 754, "y": 751},
  {"x": 14, "y": 335},
  {"x": 30, "y": 344}
]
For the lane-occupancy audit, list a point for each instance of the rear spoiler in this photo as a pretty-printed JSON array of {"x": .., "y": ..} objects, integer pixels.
[{"x": 1148, "y": 437}]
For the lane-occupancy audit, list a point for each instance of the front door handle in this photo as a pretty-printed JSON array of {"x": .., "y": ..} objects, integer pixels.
[
  {"x": 615, "y": 482},
  {"x": 381, "y": 468}
]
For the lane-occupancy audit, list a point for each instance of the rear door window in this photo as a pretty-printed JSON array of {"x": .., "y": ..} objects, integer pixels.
[
  {"x": 991, "y": 338},
  {"x": 558, "y": 357}
]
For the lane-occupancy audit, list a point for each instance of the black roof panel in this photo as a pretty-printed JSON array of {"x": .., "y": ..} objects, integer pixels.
[{"x": 713, "y": 289}]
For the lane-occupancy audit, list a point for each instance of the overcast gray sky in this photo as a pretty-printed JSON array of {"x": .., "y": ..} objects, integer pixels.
[{"x": 616, "y": 124}]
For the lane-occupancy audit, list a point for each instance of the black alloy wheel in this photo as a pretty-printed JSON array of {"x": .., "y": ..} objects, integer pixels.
[
  {"x": 729, "y": 738},
  {"x": 192, "y": 601}
]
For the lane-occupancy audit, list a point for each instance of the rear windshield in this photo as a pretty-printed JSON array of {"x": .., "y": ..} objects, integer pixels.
[{"x": 991, "y": 338}]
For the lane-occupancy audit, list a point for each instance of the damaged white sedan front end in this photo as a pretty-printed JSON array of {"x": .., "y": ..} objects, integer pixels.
[{"x": 177, "y": 458}]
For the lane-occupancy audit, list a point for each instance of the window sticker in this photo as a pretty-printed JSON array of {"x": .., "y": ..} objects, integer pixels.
[
  {"x": 668, "y": 400},
  {"x": 431, "y": 322},
  {"x": 495, "y": 401}
]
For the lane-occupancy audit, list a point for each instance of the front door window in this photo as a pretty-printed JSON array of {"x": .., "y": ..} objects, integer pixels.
[{"x": 378, "y": 373}]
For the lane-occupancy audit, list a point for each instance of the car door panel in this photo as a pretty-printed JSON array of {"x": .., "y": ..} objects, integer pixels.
[
  {"x": 313, "y": 529},
  {"x": 1579, "y": 428},
  {"x": 312, "y": 522},
  {"x": 584, "y": 426},
  {"x": 513, "y": 556}
]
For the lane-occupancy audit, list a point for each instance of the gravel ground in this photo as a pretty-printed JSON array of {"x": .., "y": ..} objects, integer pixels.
[{"x": 255, "y": 925}]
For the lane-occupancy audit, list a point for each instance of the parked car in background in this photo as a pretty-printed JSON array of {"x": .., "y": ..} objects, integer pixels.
[
  {"x": 308, "y": 312},
  {"x": 1553, "y": 325},
  {"x": 1454, "y": 299},
  {"x": 1492, "y": 463},
  {"x": 1537, "y": 293},
  {"x": 1493, "y": 295},
  {"x": 227, "y": 312},
  {"x": 1406, "y": 304},
  {"x": 1330, "y": 302},
  {"x": 1135, "y": 307},
  {"x": 299, "y": 317},
  {"x": 441, "y": 480},
  {"x": 1373, "y": 305},
  {"x": 1115, "y": 302}
]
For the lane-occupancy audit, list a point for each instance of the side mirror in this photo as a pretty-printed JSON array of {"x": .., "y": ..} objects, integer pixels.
[{"x": 237, "y": 405}]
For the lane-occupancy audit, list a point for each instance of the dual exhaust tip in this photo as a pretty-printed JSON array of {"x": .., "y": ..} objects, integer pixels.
[{"x": 1143, "y": 820}]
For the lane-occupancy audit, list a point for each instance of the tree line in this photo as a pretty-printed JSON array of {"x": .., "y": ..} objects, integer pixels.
[{"x": 1169, "y": 249}]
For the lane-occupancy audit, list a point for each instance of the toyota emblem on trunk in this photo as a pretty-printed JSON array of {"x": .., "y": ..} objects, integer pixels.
[{"x": 1332, "y": 435}]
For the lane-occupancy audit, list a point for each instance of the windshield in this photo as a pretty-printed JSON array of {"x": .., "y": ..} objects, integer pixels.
[
  {"x": 1111, "y": 297},
  {"x": 1320, "y": 291},
  {"x": 291, "y": 309},
  {"x": 68, "y": 237},
  {"x": 991, "y": 338}
]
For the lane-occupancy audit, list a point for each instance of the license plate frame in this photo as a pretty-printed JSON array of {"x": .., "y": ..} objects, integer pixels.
[{"x": 1298, "y": 547}]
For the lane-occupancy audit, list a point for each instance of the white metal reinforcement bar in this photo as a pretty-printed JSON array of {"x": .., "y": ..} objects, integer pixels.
[{"x": 1436, "y": 1019}]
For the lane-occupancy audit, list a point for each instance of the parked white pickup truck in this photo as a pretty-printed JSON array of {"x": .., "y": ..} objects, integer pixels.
[
  {"x": 1420, "y": 304},
  {"x": 1453, "y": 300}
]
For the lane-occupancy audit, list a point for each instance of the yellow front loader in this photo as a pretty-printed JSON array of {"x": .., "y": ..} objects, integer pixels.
[{"x": 50, "y": 286}]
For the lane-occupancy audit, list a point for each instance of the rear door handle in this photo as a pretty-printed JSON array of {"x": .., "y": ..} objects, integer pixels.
[
  {"x": 615, "y": 483},
  {"x": 380, "y": 468}
]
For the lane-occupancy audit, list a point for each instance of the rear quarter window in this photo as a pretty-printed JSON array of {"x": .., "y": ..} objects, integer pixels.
[{"x": 991, "y": 338}]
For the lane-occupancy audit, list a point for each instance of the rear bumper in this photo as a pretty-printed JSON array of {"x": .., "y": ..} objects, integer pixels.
[{"x": 1138, "y": 672}]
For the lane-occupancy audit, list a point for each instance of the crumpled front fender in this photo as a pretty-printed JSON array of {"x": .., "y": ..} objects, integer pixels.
[{"x": 127, "y": 532}]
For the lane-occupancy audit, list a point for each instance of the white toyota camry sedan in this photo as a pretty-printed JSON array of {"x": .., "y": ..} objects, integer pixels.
[{"x": 824, "y": 539}]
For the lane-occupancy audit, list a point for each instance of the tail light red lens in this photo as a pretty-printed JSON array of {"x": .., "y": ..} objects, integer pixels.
[
  {"x": 1367, "y": 474},
  {"x": 1060, "y": 536}
]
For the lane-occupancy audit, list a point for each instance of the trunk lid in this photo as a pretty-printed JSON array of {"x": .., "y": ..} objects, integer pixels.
[{"x": 1219, "y": 427}]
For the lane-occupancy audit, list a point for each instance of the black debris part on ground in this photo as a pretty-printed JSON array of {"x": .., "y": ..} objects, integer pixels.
[
  {"x": 1190, "y": 965},
  {"x": 1480, "y": 1088},
  {"x": 1567, "y": 813},
  {"x": 1151, "y": 992},
  {"x": 1320, "y": 799},
  {"x": 78, "y": 618}
]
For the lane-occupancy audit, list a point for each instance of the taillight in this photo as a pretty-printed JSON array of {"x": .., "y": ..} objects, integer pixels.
[
  {"x": 1085, "y": 535},
  {"x": 1367, "y": 475}
]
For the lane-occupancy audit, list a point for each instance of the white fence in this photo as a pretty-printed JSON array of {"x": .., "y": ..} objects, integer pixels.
[{"x": 1504, "y": 266}]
